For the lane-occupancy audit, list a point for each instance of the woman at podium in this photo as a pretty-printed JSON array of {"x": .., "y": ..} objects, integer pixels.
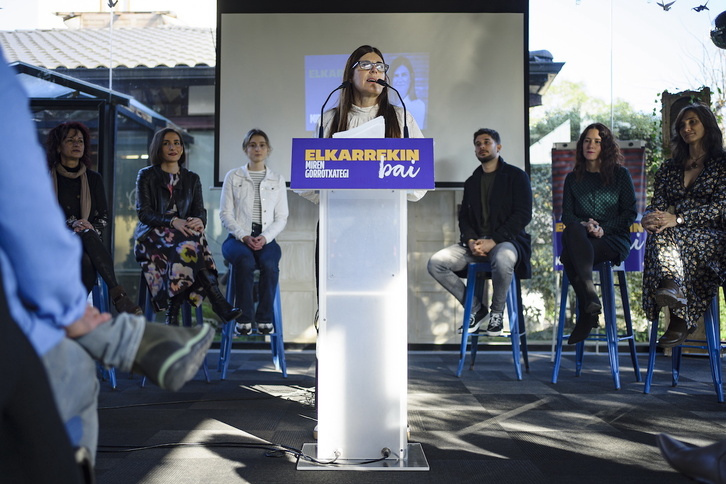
[{"x": 363, "y": 99}]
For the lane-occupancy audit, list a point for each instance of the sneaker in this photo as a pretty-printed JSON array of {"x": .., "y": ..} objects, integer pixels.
[
  {"x": 169, "y": 355},
  {"x": 496, "y": 324},
  {"x": 476, "y": 320},
  {"x": 264, "y": 328},
  {"x": 243, "y": 328}
]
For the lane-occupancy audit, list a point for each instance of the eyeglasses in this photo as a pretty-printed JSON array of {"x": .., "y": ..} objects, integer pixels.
[{"x": 367, "y": 65}]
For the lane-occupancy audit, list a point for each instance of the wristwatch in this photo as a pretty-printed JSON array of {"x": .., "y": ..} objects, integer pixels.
[{"x": 679, "y": 220}]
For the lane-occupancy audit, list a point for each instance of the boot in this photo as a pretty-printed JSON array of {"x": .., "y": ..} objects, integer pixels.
[
  {"x": 676, "y": 333},
  {"x": 172, "y": 311},
  {"x": 171, "y": 356},
  {"x": 123, "y": 303},
  {"x": 704, "y": 464},
  {"x": 584, "y": 325},
  {"x": 220, "y": 305}
]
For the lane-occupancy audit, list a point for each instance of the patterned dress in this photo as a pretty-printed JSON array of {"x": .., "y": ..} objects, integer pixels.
[
  {"x": 169, "y": 260},
  {"x": 692, "y": 253}
]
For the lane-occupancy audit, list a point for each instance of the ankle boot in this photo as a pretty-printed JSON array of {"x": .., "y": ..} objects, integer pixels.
[
  {"x": 171, "y": 356},
  {"x": 676, "y": 333},
  {"x": 220, "y": 305},
  {"x": 704, "y": 464},
  {"x": 123, "y": 303},
  {"x": 172, "y": 311}
]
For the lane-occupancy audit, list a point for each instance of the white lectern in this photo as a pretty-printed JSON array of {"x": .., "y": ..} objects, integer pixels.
[{"x": 362, "y": 341}]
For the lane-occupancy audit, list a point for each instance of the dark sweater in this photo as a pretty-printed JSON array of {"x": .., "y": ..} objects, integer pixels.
[{"x": 612, "y": 206}]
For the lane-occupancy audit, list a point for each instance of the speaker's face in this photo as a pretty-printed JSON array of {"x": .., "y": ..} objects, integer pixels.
[{"x": 691, "y": 129}]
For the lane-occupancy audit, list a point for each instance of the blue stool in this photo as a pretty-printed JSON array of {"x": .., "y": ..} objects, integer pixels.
[
  {"x": 517, "y": 332},
  {"x": 712, "y": 345},
  {"x": 611, "y": 335},
  {"x": 99, "y": 293},
  {"x": 277, "y": 346},
  {"x": 186, "y": 313}
]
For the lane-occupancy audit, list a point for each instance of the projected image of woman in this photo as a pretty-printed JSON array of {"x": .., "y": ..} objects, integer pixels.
[
  {"x": 403, "y": 80},
  {"x": 363, "y": 99}
]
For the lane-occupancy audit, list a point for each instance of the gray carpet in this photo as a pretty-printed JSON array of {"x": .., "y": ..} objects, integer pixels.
[{"x": 483, "y": 427}]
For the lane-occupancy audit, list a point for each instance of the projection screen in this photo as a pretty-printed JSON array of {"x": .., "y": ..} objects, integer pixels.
[{"x": 467, "y": 69}]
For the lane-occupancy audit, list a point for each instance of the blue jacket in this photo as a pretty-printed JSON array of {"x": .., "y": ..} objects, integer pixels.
[{"x": 40, "y": 257}]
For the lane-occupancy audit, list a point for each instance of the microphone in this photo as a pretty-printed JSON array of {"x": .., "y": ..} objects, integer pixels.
[
  {"x": 405, "y": 124},
  {"x": 344, "y": 84}
]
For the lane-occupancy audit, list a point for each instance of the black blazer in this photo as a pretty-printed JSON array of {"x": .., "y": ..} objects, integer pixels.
[
  {"x": 510, "y": 210},
  {"x": 152, "y": 198}
]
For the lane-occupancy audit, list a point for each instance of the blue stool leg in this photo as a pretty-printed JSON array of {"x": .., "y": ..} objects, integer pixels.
[
  {"x": 713, "y": 339},
  {"x": 611, "y": 323},
  {"x": 276, "y": 338},
  {"x": 100, "y": 300},
  {"x": 676, "y": 354},
  {"x": 225, "y": 343},
  {"x": 200, "y": 321},
  {"x": 514, "y": 324},
  {"x": 468, "y": 301},
  {"x": 651, "y": 356},
  {"x": 629, "y": 333},
  {"x": 560, "y": 327}
]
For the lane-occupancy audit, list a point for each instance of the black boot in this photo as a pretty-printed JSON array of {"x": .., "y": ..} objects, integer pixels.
[
  {"x": 123, "y": 303},
  {"x": 220, "y": 305},
  {"x": 704, "y": 464},
  {"x": 172, "y": 311},
  {"x": 676, "y": 333}
]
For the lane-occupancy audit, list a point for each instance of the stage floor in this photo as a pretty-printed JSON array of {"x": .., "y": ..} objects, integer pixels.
[{"x": 483, "y": 427}]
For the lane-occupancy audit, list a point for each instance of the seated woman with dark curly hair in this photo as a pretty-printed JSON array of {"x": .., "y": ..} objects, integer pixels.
[{"x": 83, "y": 200}]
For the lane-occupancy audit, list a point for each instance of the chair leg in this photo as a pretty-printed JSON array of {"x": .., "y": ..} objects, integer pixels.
[
  {"x": 468, "y": 301},
  {"x": 560, "y": 327},
  {"x": 629, "y": 333},
  {"x": 651, "y": 356}
]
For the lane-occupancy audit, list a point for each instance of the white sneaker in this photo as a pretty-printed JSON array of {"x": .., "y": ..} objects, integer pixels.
[{"x": 243, "y": 328}]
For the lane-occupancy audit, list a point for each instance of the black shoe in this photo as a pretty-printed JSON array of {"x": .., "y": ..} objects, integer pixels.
[
  {"x": 496, "y": 324},
  {"x": 670, "y": 297},
  {"x": 703, "y": 464},
  {"x": 676, "y": 333},
  {"x": 243, "y": 328},
  {"x": 476, "y": 320},
  {"x": 584, "y": 325},
  {"x": 220, "y": 305},
  {"x": 264, "y": 328}
]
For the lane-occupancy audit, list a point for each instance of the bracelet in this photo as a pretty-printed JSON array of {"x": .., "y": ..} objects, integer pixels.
[{"x": 171, "y": 223}]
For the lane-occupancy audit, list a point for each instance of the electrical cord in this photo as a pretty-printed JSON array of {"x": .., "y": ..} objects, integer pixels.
[{"x": 273, "y": 450}]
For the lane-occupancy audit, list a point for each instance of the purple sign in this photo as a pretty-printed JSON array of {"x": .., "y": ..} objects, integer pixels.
[{"x": 362, "y": 163}]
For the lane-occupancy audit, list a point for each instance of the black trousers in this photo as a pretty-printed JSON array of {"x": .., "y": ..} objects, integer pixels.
[
  {"x": 34, "y": 445},
  {"x": 96, "y": 259},
  {"x": 579, "y": 254}
]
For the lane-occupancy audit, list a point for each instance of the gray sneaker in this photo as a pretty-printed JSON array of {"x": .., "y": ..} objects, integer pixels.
[
  {"x": 496, "y": 324},
  {"x": 171, "y": 355}
]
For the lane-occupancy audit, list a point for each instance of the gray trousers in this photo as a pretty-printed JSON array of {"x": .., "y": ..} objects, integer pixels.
[
  {"x": 71, "y": 368},
  {"x": 503, "y": 257}
]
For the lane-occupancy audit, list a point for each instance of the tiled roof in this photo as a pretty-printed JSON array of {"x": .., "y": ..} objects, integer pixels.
[{"x": 132, "y": 47}]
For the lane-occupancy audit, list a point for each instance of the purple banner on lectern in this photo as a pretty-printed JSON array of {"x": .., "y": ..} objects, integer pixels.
[{"x": 362, "y": 163}]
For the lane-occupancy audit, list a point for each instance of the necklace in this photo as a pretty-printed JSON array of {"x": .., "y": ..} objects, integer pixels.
[{"x": 693, "y": 163}]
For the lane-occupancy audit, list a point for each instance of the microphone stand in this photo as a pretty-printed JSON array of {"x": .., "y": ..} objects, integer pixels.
[
  {"x": 405, "y": 122},
  {"x": 344, "y": 84}
]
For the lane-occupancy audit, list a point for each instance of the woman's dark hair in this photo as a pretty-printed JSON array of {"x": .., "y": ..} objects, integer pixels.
[
  {"x": 157, "y": 143},
  {"x": 610, "y": 155},
  {"x": 403, "y": 61},
  {"x": 55, "y": 141},
  {"x": 385, "y": 109},
  {"x": 712, "y": 141},
  {"x": 255, "y": 132}
]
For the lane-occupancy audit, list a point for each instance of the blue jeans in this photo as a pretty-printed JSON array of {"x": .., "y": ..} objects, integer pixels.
[
  {"x": 503, "y": 257},
  {"x": 71, "y": 369},
  {"x": 245, "y": 261}
]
